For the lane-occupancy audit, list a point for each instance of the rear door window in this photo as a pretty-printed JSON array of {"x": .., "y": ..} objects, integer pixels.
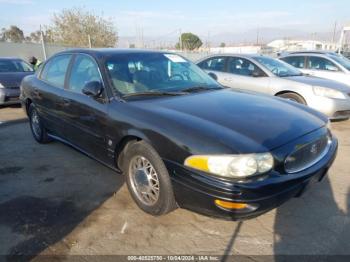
[{"x": 55, "y": 70}]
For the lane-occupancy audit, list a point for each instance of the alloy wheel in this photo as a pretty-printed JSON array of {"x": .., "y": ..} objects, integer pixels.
[{"x": 144, "y": 180}]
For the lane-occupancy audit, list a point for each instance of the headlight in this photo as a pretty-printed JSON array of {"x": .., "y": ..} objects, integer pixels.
[
  {"x": 328, "y": 92},
  {"x": 232, "y": 166},
  {"x": 1, "y": 86}
]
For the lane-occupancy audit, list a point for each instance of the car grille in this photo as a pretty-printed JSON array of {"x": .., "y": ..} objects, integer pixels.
[
  {"x": 12, "y": 87},
  {"x": 307, "y": 155}
]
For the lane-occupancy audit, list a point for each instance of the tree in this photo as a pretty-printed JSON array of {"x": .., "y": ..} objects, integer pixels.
[
  {"x": 73, "y": 26},
  {"x": 28, "y": 39},
  {"x": 13, "y": 34},
  {"x": 189, "y": 42},
  {"x": 35, "y": 36},
  {"x": 222, "y": 44}
]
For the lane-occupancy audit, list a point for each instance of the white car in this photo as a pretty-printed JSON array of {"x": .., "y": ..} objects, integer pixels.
[{"x": 323, "y": 64}]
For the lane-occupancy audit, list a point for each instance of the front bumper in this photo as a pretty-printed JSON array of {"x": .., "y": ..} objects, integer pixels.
[
  {"x": 198, "y": 192},
  {"x": 9, "y": 96},
  {"x": 335, "y": 109}
]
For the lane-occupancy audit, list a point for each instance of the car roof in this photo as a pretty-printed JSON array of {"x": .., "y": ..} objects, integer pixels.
[
  {"x": 321, "y": 52},
  {"x": 231, "y": 54},
  {"x": 98, "y": 52}
]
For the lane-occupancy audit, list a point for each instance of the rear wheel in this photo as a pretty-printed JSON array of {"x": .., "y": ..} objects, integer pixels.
[
  {"x": 293, "y": 97},
  {"x": 37, "y": 127},
  {"x": 148, "y": 179}
]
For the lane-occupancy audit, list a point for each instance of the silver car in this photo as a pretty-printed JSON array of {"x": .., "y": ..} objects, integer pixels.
[
  {"x": 271, "y": 76},
  {"x": 323, "y": 64}
]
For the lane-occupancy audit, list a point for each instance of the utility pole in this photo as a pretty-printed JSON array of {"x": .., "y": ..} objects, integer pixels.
[
  {"x": 43, "y": 43},
  {"x": 334, "y": 32},
  {"x": 180, "y": 39},
  {"x": 208, "y": 42},
  {"x": 142, "y": 40},
  {"x": 89, "y": 39},
  {"x": 257, "y": 36}
]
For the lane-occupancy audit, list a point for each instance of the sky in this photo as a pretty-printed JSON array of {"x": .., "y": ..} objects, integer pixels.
[{"x": 160, "y": 19}]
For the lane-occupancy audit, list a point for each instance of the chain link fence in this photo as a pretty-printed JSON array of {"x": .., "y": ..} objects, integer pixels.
[{"x": 26, "y": 50}]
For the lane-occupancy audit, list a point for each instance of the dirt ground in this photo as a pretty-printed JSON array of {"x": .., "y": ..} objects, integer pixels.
[{"x": 56, "y": 201}]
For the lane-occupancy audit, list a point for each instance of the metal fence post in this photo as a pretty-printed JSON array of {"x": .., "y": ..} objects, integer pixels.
[{"x": 43, "y": 43}]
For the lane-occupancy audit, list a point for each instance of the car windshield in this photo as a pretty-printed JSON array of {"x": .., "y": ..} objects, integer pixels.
[
  {"x": 277, "y": 67},
  {"x": 147, "y": 73},
  {"x": 9, "y": 66},
  {"x": 341, "y": 60}
]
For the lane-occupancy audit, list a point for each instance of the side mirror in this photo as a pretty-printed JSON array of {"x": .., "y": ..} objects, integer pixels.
[
  {"x": 257, "y": 74},
  {"x": 212, "y": 75},
  {"x": 93, "y": 89},
  {"x": 332, "y": 68}
]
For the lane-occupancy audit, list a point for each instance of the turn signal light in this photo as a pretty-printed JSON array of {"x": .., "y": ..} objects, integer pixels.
[{"x": 230, "y": 205}]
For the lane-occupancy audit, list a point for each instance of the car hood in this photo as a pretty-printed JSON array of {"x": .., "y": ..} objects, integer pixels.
[
  {"x": 248, "y": 122},
  {"x": 13, "y": 79},
  {"x": 317, "y": 81}
]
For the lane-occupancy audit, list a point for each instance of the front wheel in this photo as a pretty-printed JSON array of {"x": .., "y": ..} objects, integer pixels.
[
  {"x": 293, "y": 97},
  {"x": 37, "y": 127},
  {"x": 147, "y": 179}
]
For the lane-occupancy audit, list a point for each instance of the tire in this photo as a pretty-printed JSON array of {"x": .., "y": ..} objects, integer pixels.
[
  {"x": 36, "y": 126},
  {"x": 293, "y": 97},
  {"x": 136, "y": 157}
]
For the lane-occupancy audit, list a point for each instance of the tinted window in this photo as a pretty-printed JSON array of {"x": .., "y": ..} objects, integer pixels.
[
  {"x": 14, "y": 66},
  {"x": 320, "y": 63},
  {"x": 216, "y": 64},
  {"x": 296, "y": 61},
  {"x": 55, "y": 70},
  {"x": 84, "y": 70},
  {"x": 242, "y": 66}
]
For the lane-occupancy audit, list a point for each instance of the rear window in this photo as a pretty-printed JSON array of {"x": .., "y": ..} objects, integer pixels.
[{"x": 9, "y": 66}]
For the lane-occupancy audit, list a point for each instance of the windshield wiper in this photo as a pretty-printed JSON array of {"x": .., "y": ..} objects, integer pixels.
[
  {"x": 199, "y": 88},
  {"x": 154, "y": 93}
]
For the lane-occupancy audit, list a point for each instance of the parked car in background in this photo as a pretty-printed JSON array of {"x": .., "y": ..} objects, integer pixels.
[
  {"x": 323, "y": 64},
  {"x": 12, "y": 71},
  {"x": 274, "y": 77},
  {"x": 180, "y": 138}
]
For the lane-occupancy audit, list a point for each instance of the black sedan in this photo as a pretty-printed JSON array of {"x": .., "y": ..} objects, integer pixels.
[
  {"x": 12, "y": 71},
  {"x": 180, "y": 138}
]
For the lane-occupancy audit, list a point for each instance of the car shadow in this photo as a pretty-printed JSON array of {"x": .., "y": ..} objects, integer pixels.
[
  {"x": 312, "y": 224},
  {"x": 42, "y": 201},
  {"x": 229, "y": 247},
  {"x": 11, "y": 106},
  {"x": 43, "y": 221}
]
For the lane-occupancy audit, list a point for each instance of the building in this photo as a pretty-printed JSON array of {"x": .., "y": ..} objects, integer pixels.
[{"x": 300, "y": 45}]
